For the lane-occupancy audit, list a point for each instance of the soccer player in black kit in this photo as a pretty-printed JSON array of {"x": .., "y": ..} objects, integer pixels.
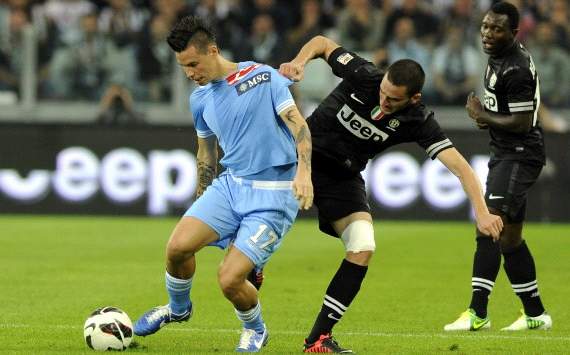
[
  {"x": 365, "y": 114},
  {"x": 512, "y": 99}
]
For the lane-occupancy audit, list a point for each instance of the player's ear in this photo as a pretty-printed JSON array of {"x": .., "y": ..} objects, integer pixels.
[
  {"x": 213, "y": 49},
  {"x": 416, "y": 98}
]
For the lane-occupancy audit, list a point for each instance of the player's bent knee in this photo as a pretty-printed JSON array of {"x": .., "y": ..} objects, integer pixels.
[
  {"x": 229, "y": 283},
  {"x": 358, "y": 237},
  {"x": 176, "y": 252}
]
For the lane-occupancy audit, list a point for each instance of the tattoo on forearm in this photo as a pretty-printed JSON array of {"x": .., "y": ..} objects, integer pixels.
[
  {"x": 206, "y": 174},
  {"x": 304, "y": 137},
  {"x": 290, "y": 116}
]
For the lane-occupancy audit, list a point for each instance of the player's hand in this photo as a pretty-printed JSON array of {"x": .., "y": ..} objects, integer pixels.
[
  {"x": 491, "y": 225},
  {"x": 292, "y": 71},
  {"x": 474, "y": 109},
  {"x": 303, "y": 189}
]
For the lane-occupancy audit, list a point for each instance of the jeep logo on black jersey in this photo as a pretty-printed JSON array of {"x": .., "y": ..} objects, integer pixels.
[
  {"x": 359, "y": 126},
  {"x": 491, "y": 101},
  {"x": 252, "y": 82}
]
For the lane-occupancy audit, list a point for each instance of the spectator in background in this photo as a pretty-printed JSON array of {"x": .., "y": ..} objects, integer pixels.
[
  {"x": 455, "y": 68},
  {"x": 13, "y": 23},
  {"x": 281, "y": 13},
  {"x": 265, "y": 40},
  {"x": 403, "y": 44},
  {"x": 462, "y": 14},
  {"x": 360, "y": 26},
  {"x": 117, "y": 108},
  {"x": 155, "y": 61},
  {"x": 122, "y": 21},
  {"x": 83, "y": 69},
  {"x": 170, "y": 10},
  {"x": 225, "y": 18},
  {"x": 527, "y": 21},
  {"x": 561, "y": 20},
  {"x": 426, "y": 23},
  {"x": 66, "y": 16},
  {"x": 310, "y": 25},
  {"x": 554, "y": 65},
  {"x": 15, "y": 17}
]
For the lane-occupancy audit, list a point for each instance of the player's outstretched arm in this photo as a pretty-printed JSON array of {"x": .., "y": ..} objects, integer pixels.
[
  {"x": 207, "y": 157},
  {"x": 317, "y": 47},
  {"x": 487, "y": 223},
  {"x": 302, "y": 185}
]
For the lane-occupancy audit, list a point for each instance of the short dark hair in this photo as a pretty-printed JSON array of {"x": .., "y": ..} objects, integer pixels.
[
  {"x": 408, "y": 73},
  {"x": 191, "y": 30},
  {"x": 506, "y": 8}
]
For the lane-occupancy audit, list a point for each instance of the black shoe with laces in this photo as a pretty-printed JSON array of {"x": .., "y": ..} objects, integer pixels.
[{"x": 325, "y": 344}]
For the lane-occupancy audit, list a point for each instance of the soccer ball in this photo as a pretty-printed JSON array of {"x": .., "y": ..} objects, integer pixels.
[{"x": 108, "y": 328}]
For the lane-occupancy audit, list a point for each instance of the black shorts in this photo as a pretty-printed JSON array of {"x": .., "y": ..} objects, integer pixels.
[
  {"x": 507, "y": 185},
  {"x": 337, "y": 197}
]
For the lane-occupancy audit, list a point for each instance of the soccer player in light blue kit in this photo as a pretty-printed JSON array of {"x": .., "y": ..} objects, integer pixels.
[{"x": 248, "y": 110}]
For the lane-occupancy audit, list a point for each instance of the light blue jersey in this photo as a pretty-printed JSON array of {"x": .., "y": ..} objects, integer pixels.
[
  {"x": 242, "y": 111},
  {"x": 251, "y": 204}
]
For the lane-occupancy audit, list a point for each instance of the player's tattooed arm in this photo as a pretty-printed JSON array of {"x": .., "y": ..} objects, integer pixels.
[
  {"x": 302, "y": 184},
  {"x": 302, "y": 135},
  {"x": 206, "y": 174},
  {"x": 207, "y": 157}
]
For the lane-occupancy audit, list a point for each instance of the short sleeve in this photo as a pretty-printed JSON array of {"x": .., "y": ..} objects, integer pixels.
[
  {"x": 197, "y": 108},
  {"x": 520, "y": 87},
  {"x": 280, "y": 94},
  {"x": 356, "y": 70},
  {"x": 431, "y": 137}
]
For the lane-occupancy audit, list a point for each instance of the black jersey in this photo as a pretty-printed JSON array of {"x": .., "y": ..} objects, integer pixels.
[
  {"x": 512, "y": 86},
  {"x": 348, "y": 129}
]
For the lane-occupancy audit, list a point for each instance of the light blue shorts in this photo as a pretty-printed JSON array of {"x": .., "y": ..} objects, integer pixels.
[{"x": 254, "y": 215}]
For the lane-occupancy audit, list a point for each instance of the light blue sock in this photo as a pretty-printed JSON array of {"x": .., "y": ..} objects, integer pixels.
[
  {"x": 252, "y": 318},
  {"x": 178, "y": 293}
]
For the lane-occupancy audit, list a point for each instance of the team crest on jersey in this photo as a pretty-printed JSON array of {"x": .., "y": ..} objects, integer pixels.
[
  {"x": 258, "y": 79},
  {"x": 394, "y": 123},
  {"x": 376, "y": 114},
  {"x": 344, "y": 58}
]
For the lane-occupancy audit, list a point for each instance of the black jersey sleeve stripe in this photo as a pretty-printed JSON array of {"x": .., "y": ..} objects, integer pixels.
[
  {"x": 438, "y": 147},
  {"x": 437, "y": 144},
  {"x": 522, "y": 109},
  {"x": 518, "y": 104}
]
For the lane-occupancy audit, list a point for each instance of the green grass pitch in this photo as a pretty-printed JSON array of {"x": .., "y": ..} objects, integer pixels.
[{"x": 55, "y": 270}]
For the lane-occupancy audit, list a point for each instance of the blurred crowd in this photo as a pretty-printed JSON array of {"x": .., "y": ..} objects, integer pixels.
[{"x": 89, "y": 48}]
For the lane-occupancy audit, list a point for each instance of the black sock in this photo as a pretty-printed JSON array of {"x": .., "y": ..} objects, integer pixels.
[
  {"x": 486, "y": 265},
  {"x": 341, "y": 291},
  {"x": 520, "y": 269}
]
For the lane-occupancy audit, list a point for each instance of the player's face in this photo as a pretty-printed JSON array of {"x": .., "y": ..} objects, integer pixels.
[
  {"x": 392, "y": 98},
  {"x": 496, "y": 33},
  {"x": 198, "y": 65}
]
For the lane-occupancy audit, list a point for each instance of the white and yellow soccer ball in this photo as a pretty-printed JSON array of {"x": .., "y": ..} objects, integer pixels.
[{"x": 108, "y": 328}]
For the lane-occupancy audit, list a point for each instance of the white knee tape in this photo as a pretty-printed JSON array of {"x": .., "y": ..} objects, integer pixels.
[{"x": 359, "y": 236}]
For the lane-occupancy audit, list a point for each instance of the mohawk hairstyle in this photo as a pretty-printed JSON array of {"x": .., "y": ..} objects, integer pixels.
[
  {"x": 191, "y": 30},
  {"x": 408, "y": 73},
  {"x": 506, "y": 8}
]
